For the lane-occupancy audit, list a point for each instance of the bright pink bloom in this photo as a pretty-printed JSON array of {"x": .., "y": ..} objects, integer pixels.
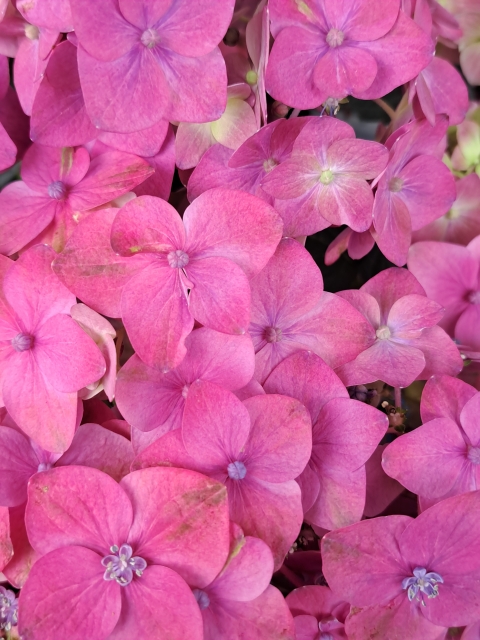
[
  {"x": 317, "y": 613},
  {"x": 58, "y": 187},
  {"x": 415, "y": 189},
  {"x": 126, "y": 554},
  {"x": 92, "y": 446},
  {"x": 450, "y": 275},
  {"x": 461, "y": 224},
  {"x": 256, "y": 448},
  {"x": 364, "y": 48},
  {"x": 442, "y": 457},
  {"x": 154, "y": 402},
  {"x": 8, "y": 150},
  {"x": 224, "y": 238},
  {"x": 245, "y": 169},
  {"x": 345, "y": 435},
  {"x": 407, "y": 577},
  {"x": 405, "y": 343},
  {"x": 45, "y": 358},
  {"x": 289, "y": 314},
  {"x": 240, "y": 602},
  {"x": 324, "y": 181},
  {"x": 149, "y": 61}
]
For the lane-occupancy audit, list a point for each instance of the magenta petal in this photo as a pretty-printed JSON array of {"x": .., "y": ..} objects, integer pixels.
[
  {"x": 17, "y": 570},
  {"x": 445, "y": 397},
  {"x": 279, "y": 444},
  {"x": 345, "y": 71},
  {"x": 220, "y": 295},
  {"x": 158, "y": 605},
  {"x": 64, "y": 576},
  {"x": 389, "y": 285},
  {"x": 97, "y": 447},
  {"x": 359, "y": 158},
  {"x": 91, "y": 269},
  {"x": 63, "y": 507},
  {"x": 381, "y": 488},
  {"x": 145, "y": 14},
  {"x": 55, "y": 342},
  {"x": 428, "y": 460},
  {"x": 392, "y": 226},
  {"x": 6, "y": 548},
  {"x": 347, "y": 200},
  {"x": 468, "y": 419},
  {"x": 410, "y": 314},
  {"x": 156, "y": 315},
  {"x": 18, "y": 463},
  {"x": 446, "y": 89},
  {"x": 180, "y": 521},
  {"x": 363, "y": 564},
  {"x": 145, "y": 143},
  {"x": 210, "y": 412},
  {"x": 441, "y": 353},
  {"x": 237, "y": 226},
  {"x": 55, "y": 14}
]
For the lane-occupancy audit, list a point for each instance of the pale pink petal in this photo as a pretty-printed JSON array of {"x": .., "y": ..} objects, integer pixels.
[
  {"x": 469, "y": 59},
  {"x": 64, "y": 506},
  {"x": 236, "y": 125},
  {"x": 191, "y": 142},
  {"x": 180, "y": 521},
  {"x": 73, "y": 574}
]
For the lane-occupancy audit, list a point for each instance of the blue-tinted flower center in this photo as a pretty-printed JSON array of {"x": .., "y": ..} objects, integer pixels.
[
  {"x": 120, "y": 565},
  {"x": 57, "y": 190},
  {"x": 236, "y": 470},
  {"x": 474, "y": 455},
  {"x": 22, "y": 342},
  {"x": 150, "y": 38},
  {"x": 8, "y": 609},
  {"x": 395, "y": 184},
  {"x": 422, "y": 584},
  {"x": 202, "y": 598},
  {"x": 272, "y": 334},
  {"x": 383, "y": 332},
  {"x": 474, "y": 297},
  {"x": 269, "y": 164},
  {"x": 335, "y": 37},
  {"x": 178, "y": 259}
]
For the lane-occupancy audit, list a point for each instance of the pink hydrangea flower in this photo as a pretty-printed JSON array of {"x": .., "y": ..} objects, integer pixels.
[
  {"x": 364, "y": 48},
  {"x": 154, "y": 402},
  {"x": 126, "y": 554},
  {"x": 407, "y": 578},
  {"x": 345, "y": 435},
  {"x": 461, "y": 224},
  {"x": 58, "y": 186},
  {"x": 240, "y": 602},
  {"x": 256, "y": 448},
  {"x": 289, "y": 314},
  {"x": 442, "y": 457},
  {"x": 45, "y": 357},
  {"x": 92, "y": 446},
  {"x": 318, "y": 613},
  {"x": 405, "y": 343},
  {"x": 164, "y": 50},
  {"x": 324, "y": 181},
  {"x": 415, "y": 189},
  {"x": 224, "y": 238},
  {"x": 449, "y": 273}
]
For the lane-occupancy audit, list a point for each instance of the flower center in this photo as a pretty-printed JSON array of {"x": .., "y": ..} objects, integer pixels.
[
  {"x": 326, "y": 625},
  {"x": 22, "y": 342},
  {"x": 120, "y": 565},
  {"x": 32, "y": 32},
  {"x": 57, "y": 190},
  {"x": 237, "y": 470},
  {"x": 453, "y": 214},
  {"x": 8, "y": 609},
  {"x": 202, "y": 598},
  {"x": 474, "y": 455},
  {"x": 251, "y": 77},
  {"x": 335, "y": 37},
  {"x": 395, "y": 184},
  {"x": 474, "y": 297},
  {"x": 383, "y": 332},
  {"x": 326, "y": 176},
  {"x": 178, "y": 259},
  {"x": 150, "y": 38},
  {"x": 273, "y": 334},
  {"x": 269, "y": 164},
  {"x": 422, "y": 583},
  {"x": 44, "y": 466},
  {"x": 185, "y": 389}
]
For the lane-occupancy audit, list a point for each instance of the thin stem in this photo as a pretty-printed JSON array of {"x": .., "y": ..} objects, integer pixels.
[
  {"x": 398, "y": 396},
  {"x": 291, "y": 576},
  {"x": 387, "y": 108},
  {"x": 294, "y": 113}
]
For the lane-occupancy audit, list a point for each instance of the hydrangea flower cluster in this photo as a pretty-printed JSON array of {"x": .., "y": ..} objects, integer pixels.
[{"x": 208, "y": 431}]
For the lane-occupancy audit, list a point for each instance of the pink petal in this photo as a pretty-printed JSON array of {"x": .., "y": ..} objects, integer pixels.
[
  {"x": 293, "y": 178},
  {"x": 97, "y": 447},
  {"x": 410, "y": 314},
  {"x": 468, "y": 419},
  {"x": 347, "y": 200},
  {"x": 279, "y": 444},
  {"x": 91, "y": 269},
  {"x": 44, "y": 165},
  {"x": 71, "y": 574},
  {"x": 366, "y": 304},
  {"x": 392, "y": 227},
  {"x": 240, "y": 227},
  {"x": 160, "y": 184},
  {"x": 180, "y": 521},
  {"x": 167, "y": 450},
  {"x": 55, "y": 342},
  {"x": 442, "y": 83},
  {"x": 466, "y": 329},
  {"x": 363, "y": 564},
  {"x": 157, "y": 604},
  {"x": 6, "y": 548},
  {"x": 469, "y": 58},
  {"x": 381, "y": 489},
  {"x": 359, "y": 158},
  {"x": 144, "y": 14},
  {"x": 445, "y": 397},
  {"x": 55, "y": 14},
  {"x": 17, "y": 570},
  {"x": 389, "y": 285},
  {"x": 156, "y": 315},
  {"x": 146, "y": 142},
  {"x": 441, "y": 353},
  {"x": 191, "y": 142},
  {"x": 210, "y": 412},
  {"x": 236, "y": 125},
  {"x": 63, "y": 508},
  {"x": 17, "y": 464},
  {"x": 428, "y": 460},
  {"x": 8, "y": 153},
  {"x": 344, "y": 71}
]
